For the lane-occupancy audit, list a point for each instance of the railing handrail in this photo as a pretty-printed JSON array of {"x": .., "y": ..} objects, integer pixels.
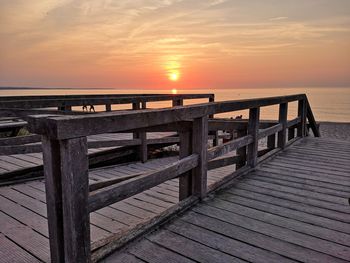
[
  {"x": 65, "y": 127},
  {"x": 73, "y": 100}
]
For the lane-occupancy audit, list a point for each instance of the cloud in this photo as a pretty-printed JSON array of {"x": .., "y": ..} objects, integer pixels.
[{"x": 279, "y": 18}]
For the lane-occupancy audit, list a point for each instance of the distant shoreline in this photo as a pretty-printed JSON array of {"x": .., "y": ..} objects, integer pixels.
[{"x": 43, "y": 88}]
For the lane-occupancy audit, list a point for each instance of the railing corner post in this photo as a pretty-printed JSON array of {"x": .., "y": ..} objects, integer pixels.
[
  {"x": 199, "y": 146},
  {"x": 75, "y": 192},
  {"x": 53, "y": 186},
  {"x": 67, "y": 189}
]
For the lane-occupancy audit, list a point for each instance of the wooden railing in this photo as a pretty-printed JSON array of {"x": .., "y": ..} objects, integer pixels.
[
  {"x": 22, "y": 106},
  {"x": 70, "y": 199},
  {"x": 66, "y": 102}
]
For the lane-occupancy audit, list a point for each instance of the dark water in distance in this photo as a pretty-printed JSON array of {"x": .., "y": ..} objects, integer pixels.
[{"x": 328, "y": 104}]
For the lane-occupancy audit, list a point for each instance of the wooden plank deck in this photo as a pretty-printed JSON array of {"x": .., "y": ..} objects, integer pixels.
[
  {"x": 23, "y": 215},
  {"x": 21, "y": 162},
  {"x": 291, "y": 208}
]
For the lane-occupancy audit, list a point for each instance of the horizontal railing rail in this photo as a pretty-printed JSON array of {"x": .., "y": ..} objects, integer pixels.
[
  {"x": 67, "y": 102},
  {"x": 70, "y": 198},
  {"x": 62, "y": 127}
]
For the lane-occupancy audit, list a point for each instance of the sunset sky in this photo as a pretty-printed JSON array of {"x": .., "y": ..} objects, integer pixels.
[{"x": 175, "y": 43}]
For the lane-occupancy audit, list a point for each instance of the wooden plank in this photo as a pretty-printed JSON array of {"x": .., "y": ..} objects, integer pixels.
[
  {"x": 186, "y": 179},
  {"x": 278, "y": 209},
  {"x": 16, "y": 161},
  {"x": 25, "y": 237},
  {"x": 324, "y": 212},
  {"x": 299, "y": 192},
  {"x": 24, "y": 215},
  {"x": 11, "y": 252},
  {"x": 229, "y": 146},
  {"x": 253, "y": 130},
  {"x": 223, "y": 161},
  {"x": 119, "y": 216},
  {"x": 336, "y": 182},
  {"x": 270, "y": 131},
  {"x": 225, "y": 244},
  {"x": 152, "y": 253},
  {"x": 295, "y": 225},
  {"x": 122, "y": 257},
  {"x": 313, "y": 165},
  {"x": 112, "y": 194},
  {"x": 314, "y": 186},
  {"x": 133, "y": 210},
  {"x": 20, "y": 140},
  {"x": 311, "y": 170},
  {"x": 190, "y": 249},
  {"x": 334, "y": 252},
  {"x": 336, "y": 209},
  {"x": 307, "y": 158},
  {"x": 225, "y": 227}
]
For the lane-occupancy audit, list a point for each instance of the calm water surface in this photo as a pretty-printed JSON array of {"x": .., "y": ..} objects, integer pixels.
[{"x": 328, "y": 104}]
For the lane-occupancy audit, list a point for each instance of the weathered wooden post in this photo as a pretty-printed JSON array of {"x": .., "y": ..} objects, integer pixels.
[
  {"x": 108, "y": 107},
  {"x": 301, "y": 129},
  {"x": 291, "y": 133},
  {"x": 215, "y": 134},
  {"x": 271, "y": 141},
  {"x": 142, "y": 154},
  {"x": 253, "y": 130},
  {"x": 178, "y": 102},
  {"x": 67, "y": 190},
  {"x": 241, "y": 152},
  {"x": 185, "y": 180},
  {"x": 199, "y": 146},
  {"x": 65, "y": 108},
  {"x": 282, "y": 119}
]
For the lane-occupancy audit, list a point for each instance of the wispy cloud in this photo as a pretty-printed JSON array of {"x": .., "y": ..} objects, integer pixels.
[
  {"x": 279, "y": 18},
  {"x": 127, "y": 34}
]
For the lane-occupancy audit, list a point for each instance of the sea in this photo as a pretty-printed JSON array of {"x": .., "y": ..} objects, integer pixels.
[{"x": 328, "y": 104}]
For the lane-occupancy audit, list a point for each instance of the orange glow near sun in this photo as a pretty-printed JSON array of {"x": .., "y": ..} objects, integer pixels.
[
  {"x": 172, "y": 66},
  {"x": 173, "y": 76},
  {"x": 174, "y": 91}
]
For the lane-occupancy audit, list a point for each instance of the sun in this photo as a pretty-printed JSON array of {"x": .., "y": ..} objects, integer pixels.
[{"x": 174, "y": 76}]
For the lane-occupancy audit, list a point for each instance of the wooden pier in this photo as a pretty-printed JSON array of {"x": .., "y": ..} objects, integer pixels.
[
  {"x": 280, "y": 201},
  {"x": 292, "y": 208}
]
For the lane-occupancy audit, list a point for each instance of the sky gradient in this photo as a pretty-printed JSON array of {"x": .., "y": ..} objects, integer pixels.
[{"x": 175, "y": 43}]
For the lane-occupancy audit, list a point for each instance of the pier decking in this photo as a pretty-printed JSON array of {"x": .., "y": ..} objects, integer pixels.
[
  {"x": 24, "y": 217},
  {"x": 292, "y": 208}
]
